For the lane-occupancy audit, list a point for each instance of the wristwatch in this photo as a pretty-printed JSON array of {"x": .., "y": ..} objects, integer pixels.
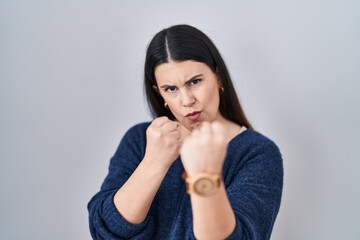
[{"x": 202, "y": 184}]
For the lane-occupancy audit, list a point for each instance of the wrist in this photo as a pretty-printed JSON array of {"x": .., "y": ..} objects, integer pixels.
[
  {"x": 156, "y": 166},
  {"x": 203, "y": 183},
  {"x": 207, "y": 169}
]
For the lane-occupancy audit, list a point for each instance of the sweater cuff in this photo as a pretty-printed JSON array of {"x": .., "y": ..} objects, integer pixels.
[{"x": 117, "y": 223}]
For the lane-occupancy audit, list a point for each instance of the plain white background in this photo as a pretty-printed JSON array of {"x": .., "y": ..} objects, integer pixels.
[{"x": 71, "y": 85}]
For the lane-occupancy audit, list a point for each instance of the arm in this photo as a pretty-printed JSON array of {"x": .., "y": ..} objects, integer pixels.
[
  {"x": 204, "y": 152},
  {"x": 248, "y": 207},
  {"x": 213, "y": 216},
  {"x": 133, "y": 200},
  {"x": 120, "y": 209}
]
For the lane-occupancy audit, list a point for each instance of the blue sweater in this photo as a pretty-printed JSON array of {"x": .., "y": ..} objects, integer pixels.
[{"x": 253, "y": 178}]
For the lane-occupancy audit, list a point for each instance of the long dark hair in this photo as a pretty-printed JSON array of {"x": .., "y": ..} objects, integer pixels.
[{"x": 184, "y": 42}]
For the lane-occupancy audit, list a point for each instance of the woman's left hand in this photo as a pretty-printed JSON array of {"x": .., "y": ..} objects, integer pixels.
[{"x": 205, "y": 149}]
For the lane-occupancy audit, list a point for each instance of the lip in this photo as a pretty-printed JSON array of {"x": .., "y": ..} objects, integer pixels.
[{"x": 193, "y": 116}]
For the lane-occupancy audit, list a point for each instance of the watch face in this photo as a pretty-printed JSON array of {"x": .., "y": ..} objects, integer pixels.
[{"x": 204, "y": 186}]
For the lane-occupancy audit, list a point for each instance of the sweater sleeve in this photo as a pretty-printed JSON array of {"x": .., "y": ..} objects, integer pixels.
[
  {"x": 105, "y": 221},
  {"x": 255, "y": 192}
]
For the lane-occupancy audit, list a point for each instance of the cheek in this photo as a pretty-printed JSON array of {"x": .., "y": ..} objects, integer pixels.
[
  {"x": 174, "y": 106},
  {"x": 213, "y": 107},
  {"x": 212, "y": 99}
]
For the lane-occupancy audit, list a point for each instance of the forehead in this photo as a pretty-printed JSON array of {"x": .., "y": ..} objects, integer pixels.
[{"x": 179, "y": 71}]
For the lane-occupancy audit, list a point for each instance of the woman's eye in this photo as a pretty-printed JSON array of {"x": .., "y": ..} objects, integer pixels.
[
  {"x": 170, "y": 89},
  {"x": 194, "y": 82}
]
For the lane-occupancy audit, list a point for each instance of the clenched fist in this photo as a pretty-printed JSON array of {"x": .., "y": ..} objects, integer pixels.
[
  {"x": 163, "y": 141},
  {"x": 205, "y": 149}
]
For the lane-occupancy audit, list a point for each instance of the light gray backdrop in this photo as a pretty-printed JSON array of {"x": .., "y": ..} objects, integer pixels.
[{"x": 71, "y": 85}]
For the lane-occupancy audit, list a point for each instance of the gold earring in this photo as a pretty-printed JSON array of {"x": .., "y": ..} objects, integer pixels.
[
  {"x": 222, "y": 90},
  {"x": 166, "y": 105}
]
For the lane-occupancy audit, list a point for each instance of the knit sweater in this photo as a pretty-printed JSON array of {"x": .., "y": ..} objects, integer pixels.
[{"x": 253, "y": 178}]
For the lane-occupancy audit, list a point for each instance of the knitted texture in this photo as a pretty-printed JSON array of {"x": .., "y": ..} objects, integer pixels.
[{"x": 253, "y": 178}]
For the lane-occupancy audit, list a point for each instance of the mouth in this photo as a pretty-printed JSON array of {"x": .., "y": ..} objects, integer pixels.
[{"x": 193, "y": 116}]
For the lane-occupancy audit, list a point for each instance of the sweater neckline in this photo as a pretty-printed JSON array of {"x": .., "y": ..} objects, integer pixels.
[{"x": 242, "y": 129}]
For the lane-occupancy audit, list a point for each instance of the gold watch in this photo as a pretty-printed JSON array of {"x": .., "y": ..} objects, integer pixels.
[{"x": 202, "y": 184}]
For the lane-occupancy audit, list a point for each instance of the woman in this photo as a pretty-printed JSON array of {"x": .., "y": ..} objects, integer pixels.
[{"x": 198, "y": 170}]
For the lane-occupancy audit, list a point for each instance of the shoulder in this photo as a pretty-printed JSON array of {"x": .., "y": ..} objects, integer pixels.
[
  {"x": 134, "y": 140},
  {"x": 254, "y": 153},
  {"x": 136, "y": 133},
  {"x": 138, "y": 129},
  {"x": 252, "y": 147},
  {"x": 251, "y": 139}
]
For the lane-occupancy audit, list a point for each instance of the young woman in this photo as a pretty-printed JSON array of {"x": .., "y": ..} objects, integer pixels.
[{"x": 198, "y": 170}]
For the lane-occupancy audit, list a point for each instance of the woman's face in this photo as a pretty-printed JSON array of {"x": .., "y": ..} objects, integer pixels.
[{"x": 191, "y": 91}]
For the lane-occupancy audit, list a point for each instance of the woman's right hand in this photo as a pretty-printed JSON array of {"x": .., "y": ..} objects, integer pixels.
[{"x": 163, "y": 142}]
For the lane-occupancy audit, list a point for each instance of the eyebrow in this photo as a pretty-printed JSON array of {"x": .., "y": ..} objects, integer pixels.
[{"x": 191, "y": 79}]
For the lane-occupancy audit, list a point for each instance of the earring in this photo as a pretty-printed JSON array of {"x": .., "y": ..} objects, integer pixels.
[
  {"x": 221, "y": 90},
  {"x": 166, "y": 105}
]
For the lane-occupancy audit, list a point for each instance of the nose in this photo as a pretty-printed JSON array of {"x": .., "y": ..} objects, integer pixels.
[{"x": 187, "y": 98}]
